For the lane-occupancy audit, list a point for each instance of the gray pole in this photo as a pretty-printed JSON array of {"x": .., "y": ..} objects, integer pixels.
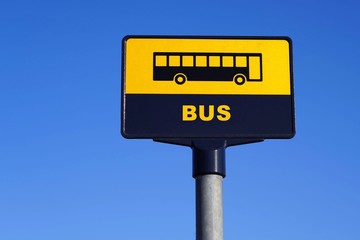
[
  {"x": 209, "y": 171},
  {"x": 209, "y": 208}
]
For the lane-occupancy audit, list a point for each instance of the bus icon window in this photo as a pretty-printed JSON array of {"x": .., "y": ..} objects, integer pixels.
[{"x": 184, "y": 66}]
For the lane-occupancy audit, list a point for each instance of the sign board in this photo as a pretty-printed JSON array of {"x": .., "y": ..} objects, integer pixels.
[{"x": 207, "y": 87}]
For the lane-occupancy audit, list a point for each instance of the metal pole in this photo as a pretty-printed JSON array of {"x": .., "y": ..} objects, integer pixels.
[
  {"x": 209, "y": 208},
  {"x": 209, "y": 171}
]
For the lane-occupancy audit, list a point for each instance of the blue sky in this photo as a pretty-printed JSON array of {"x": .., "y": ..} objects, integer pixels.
[{"x": 66, "y": 172}]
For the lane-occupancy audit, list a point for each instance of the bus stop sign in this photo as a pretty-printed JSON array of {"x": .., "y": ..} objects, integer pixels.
[{"x": 183, "y": 87}]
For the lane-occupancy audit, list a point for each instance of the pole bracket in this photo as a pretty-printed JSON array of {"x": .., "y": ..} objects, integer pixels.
[
  {"x": 208, "y": 157},
  {"x": 208, "y": 153}
]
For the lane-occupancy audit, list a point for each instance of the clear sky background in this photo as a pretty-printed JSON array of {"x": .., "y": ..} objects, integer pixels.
[{"x": 67, "y": 173}]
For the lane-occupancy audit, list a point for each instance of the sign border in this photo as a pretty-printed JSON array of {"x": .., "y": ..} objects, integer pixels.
[{"x": 123, "y": 70}]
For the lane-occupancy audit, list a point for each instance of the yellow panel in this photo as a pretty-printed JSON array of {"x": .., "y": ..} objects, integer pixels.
[
  {"x": 160, "y": 61},
  {"x": 275, "y": 59},
  {"x": 214, "y": 61},
  {"x": 174, "y": 61},
  {"x": 188, "y": 61},
  {"x": 201, "y": 61},
  {"x": 228, "y": 61},
  {"x": 240, "y": 61},
  {"x": 254, "y": 67}
]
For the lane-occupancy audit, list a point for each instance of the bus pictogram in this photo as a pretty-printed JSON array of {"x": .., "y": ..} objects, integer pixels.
[{"x": 184, "y": 66}]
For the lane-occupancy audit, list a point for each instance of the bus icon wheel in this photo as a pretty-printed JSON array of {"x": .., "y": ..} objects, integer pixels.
[
  {"x": 180, "y": 78},
  {"x": 239, "y": 79}
]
